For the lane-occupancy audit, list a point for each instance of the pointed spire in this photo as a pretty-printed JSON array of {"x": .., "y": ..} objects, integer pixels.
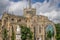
[{"x": 29, "y": 1}]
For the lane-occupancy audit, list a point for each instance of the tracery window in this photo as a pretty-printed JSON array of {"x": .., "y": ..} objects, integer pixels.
[{"x": 49, "y": 29}]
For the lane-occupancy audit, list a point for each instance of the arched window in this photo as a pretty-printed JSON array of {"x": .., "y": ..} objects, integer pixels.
[
  {"x": 49, "y": 32},
  {"x": 19, "y": 20},
  {"x": 39, "y": 29},
  {"x": 50, "y": 28},
  {"x": 5, "y": 21}
]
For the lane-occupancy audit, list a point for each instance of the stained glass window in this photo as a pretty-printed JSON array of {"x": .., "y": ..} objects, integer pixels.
[{"x": 50, "y": 28}]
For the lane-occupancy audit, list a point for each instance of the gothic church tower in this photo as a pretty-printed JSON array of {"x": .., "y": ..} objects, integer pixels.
[{"x": 28, "y": 12}]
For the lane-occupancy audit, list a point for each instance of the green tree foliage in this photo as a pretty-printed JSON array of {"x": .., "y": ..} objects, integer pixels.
[
  {"x": 5, "y": 35},
  {"x": 57, "y": 31},
  {"x": 26, "y": 33},
  {"x": 13, "y": 34},
  {"x": 50, "y": 34}
]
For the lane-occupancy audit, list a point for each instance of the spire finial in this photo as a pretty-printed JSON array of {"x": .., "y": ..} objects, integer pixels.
[{"x": 29, "y": 1}]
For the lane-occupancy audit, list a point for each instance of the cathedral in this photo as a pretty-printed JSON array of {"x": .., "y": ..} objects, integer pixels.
[{"x": 38, "y": 24}]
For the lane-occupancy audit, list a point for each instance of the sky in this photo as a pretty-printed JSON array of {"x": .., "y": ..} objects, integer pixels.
[{"x": 49, "y": 8}]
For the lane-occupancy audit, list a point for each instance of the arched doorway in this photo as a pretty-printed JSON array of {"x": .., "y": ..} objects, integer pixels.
[
  {"x": 49, "y": 32},
  {"x": 18, "y": 33}
]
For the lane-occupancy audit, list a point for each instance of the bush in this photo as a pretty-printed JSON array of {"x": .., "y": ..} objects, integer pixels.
[{"x": 26, "y": 33}]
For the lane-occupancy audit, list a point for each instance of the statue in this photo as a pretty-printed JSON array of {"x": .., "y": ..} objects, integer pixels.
[{"x": 18, "y": 33}]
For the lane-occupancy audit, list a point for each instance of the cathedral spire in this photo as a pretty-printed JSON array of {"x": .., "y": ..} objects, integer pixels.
[{"x": 29, "y": 3}]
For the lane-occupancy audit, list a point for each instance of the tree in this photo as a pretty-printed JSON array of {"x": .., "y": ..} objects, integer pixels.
[
  {"x": 5, "y": 35},
  {"x": 13, "y": 34},
  {"x": 50, "y": 34},
  {"x": 57, "y": 31},
  {"x": 26, "y": 33}
]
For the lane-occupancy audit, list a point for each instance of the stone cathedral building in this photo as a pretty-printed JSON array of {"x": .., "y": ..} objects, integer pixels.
[{"x": 38, "y": 24}]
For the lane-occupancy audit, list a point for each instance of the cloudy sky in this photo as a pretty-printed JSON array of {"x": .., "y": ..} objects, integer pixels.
[{"x": 49, "y": 8}]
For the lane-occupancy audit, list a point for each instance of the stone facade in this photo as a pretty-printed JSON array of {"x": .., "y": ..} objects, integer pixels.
[{"x": 37, "y": 23}]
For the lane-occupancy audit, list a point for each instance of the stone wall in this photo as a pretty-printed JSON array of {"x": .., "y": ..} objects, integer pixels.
[{"x": 38, "y": 22}]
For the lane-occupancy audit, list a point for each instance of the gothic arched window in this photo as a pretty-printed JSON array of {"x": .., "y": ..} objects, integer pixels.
[
  {"x": 49, "y": 31},
  {"x": 19, "y": 20},
  {"x": 50, "y": 28},
  {"x": 39, "y": 29}
]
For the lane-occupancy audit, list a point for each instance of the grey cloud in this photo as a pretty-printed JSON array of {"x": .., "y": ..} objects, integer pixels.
[
  {"x": 3, "y": 5},
  {"x": 51, "y": 10},
  {"x": 42, "y": 8}
]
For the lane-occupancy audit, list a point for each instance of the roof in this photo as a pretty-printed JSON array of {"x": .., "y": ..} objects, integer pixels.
[{"x": 12, "y": 15}]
